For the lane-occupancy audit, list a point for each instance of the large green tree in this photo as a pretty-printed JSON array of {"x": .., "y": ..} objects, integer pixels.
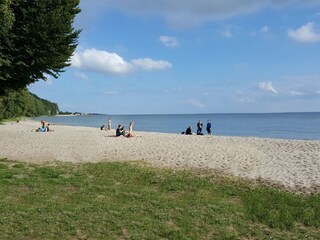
[
  {"x": 37, "y": 40},
  {"x": 6, "y": 21}
]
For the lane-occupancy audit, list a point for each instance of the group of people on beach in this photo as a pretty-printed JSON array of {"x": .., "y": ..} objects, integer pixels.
[
  {"x": 120, "y": 131},
  {"x": 199, "y": 128}
]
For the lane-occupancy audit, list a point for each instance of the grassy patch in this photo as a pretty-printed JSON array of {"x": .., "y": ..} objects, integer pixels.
[{"x": 127, "y": 201}]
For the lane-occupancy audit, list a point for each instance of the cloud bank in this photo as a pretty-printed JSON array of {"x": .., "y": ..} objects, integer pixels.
[
  {"x": 186, "y": 13},
  {"x": 112, "y": 63},
  {"x": 305, "y": 34}
]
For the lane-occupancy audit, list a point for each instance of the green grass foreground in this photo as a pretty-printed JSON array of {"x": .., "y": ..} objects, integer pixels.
[{"x": 130, "y": 201}]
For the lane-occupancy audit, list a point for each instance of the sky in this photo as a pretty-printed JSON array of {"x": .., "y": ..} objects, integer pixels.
[{"x": 191, "y": 56}]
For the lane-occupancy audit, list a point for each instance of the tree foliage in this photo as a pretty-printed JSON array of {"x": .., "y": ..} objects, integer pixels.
[
  {"x": 37, "y": 39},
  {"x": 6, "y": 17},
  {"x": 21, "y": 102},
  {"x": 6, "y": 21}
]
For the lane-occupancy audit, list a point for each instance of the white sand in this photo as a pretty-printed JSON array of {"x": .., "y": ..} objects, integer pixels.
[{"x": 292, "y": 164}]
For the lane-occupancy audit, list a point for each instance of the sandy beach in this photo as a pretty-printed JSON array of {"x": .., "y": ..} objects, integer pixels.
[{"x": 292, "y": 164}]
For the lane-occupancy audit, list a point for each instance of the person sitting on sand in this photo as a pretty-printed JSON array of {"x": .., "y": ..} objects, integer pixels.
[
  {"x": 42, "y": 129},
  {"x": 120, "y": 131},
  {"x": 102, "y": 127},
  {"x": 189, "y": 131},
  {"x": 130, "y": 134}
]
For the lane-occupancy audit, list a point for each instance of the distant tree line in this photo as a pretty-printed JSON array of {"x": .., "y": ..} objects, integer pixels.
[
  {"x": 37, "y": 39},
  {"x": 21, "y": 102},
  {"x": 70, "y": 113}
]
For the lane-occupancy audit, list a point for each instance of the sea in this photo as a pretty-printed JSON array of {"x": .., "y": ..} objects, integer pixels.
[{"x": 301, "y": 126}]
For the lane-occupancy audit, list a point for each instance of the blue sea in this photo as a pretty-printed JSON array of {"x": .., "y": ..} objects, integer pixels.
[{"x": 304, "y": 126}]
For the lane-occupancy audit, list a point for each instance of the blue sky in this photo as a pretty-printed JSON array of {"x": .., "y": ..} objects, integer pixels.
[{"x": 192, "y": 56}]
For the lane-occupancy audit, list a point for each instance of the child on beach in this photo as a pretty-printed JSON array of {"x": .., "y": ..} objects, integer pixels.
[{"x": 130, "y": 134}]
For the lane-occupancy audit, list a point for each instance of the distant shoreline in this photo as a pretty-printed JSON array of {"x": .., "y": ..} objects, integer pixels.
[{"x": 157, "y": 114}]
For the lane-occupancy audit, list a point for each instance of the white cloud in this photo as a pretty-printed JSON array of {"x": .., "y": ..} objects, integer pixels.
[
  {"x": 306, "y": 33},
  {"x": 101, "y": 61},
  {"x": 149, "y": 64},
  {"x": 112, "y": 63},
  {"x": 169, "y": 41},
  {"x": 267, "y": 86}
]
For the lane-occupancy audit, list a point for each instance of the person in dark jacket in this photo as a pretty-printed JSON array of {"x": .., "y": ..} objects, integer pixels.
[
  {"x": 209, "y": 127},
  {"x": 120, "y": 131},
  {"x": 189, "y": 131},
  {"x": 199, "y": 128}
]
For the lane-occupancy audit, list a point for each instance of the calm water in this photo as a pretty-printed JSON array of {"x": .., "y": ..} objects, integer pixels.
[{"x": 271, "y": 125}]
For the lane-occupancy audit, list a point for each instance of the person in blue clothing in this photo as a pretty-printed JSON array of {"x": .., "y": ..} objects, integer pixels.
[
  {"x": 43, "y": 127},
  {"x": 209, "y": 127}
]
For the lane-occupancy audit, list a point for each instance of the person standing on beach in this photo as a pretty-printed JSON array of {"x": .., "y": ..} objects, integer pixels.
[
  {"x": 109, "y": 124},
  {"x": 130, "y": 134},
  {"x": 209, "y": 127},
  {"x": 199, "y": 128}
]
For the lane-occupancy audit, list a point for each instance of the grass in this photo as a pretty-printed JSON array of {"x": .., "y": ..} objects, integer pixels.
[{"x": 130, "y": 201}]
